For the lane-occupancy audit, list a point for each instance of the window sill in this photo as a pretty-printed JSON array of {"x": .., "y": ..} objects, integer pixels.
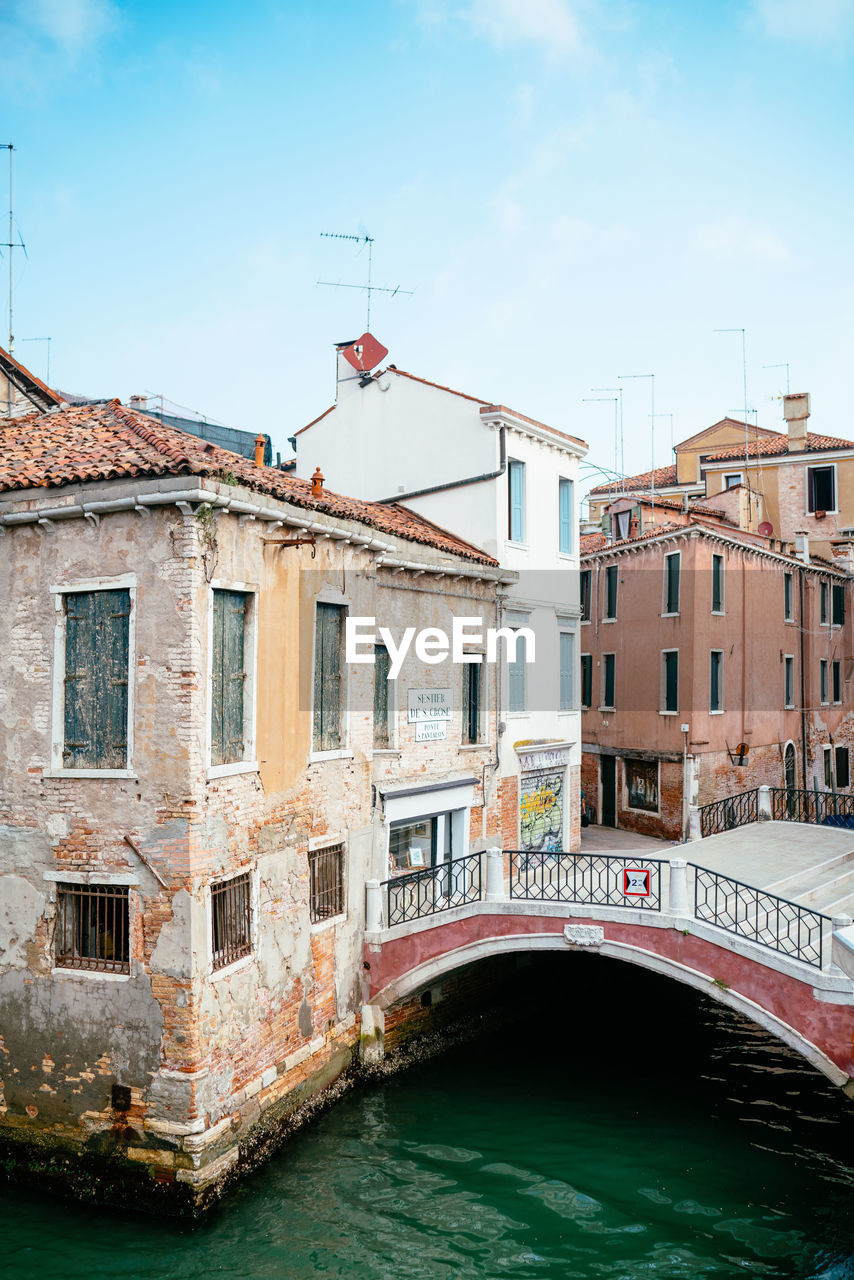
[
  {"x": 317, "y": 757},
  {"x": 514, "y": 715},
  {"x": 231, "y": 770},
  {"x": 666, "y": 615},
  {"x": 718, "y": 613},
  {"x": 604, "y": 620},
  {"x": 668, "y": 713},
  {"x": 386, "y": 751},
  {"x": 89, "y": 773},
  {"x": 650, "y": 813},
  {"x": 716, "y": 713},
  {"x": 475, "y": 746},
  {"x": 519, "y": 546},
  {"x": 59, "y": 971},
  {"x": 320, "y": 926},
  {"x": 605, "y": 709},
  {"x": 235, "y": 967},
  {"x": 585, "y": 622}
]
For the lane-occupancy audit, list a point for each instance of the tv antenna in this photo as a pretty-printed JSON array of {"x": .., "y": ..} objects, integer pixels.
[
  {"x": 48, "y": 341},
  {"x": 369, "y": 288},
  {"x": 11, "y": 243}
]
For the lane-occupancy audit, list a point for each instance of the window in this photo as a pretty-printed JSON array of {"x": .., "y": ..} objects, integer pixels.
[
  {"x": 732, "y": 478},
  {"x": 821, "y": 488},
  {"x": 828, "y": 766},
  {"x": 609, "y": 662},
  {"x": 328, "y": 732},
  {"x": 585, "y": 594},
  {"x": 642, "y": 784},
  {"x": 671, "y": 582},
  {"x": 567, "y": 664},
  {"x": 565, "y": 516},
  {"x": 787, "y": 597},
  {"x": 789, "y": 663},
  {"x": 622, "y": 524},
  {"x": 326, "y": 869},
  {"x": 472, "y": 702},
  {"x": 837, "y": 604},
  {"x": 824, "y": 616},
  {"x": 717, "y": 584},
  {"x": 382, "y": 698},
  {"x": 517, "y": 677},
  {"x": 716, "y": 684},
  {"x": 97, "y": 645},
  {"x": 92, "y": 927},
  {"x": 843, "y": 776},
  {"x": 586, "y": 679},
  {"x": 836, "y": 679},
  {"x": 231, "y": 921},
  {"x": 670, "y": 680},
  {"x": 822, "y": 681},
  {"x": 611, "y": 592},
  {"x": 516, "y": 501},
  {"x": 228, "y": 677}
]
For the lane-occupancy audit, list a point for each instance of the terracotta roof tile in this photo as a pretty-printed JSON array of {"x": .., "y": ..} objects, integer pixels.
[
  {"x": 21, "y": 375},
  {"x": 82, "y": 443},
  {"x": 776, "y": 445},
  {"x": 664, "y": 476}
]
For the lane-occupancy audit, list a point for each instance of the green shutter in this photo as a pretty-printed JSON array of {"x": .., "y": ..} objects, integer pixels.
[
  {"x": 381, "y": 670},
  {"x": 96, "y": 679},
  {"x": 228, "y": 677},
  {"x": 327, "y": 735}
]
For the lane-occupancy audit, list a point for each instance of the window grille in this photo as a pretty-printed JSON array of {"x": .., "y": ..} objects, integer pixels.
[
  {"x": 231, "y": 921},
  {"x": 326, "y": 867},
  {"x": 92, "y": 927}
]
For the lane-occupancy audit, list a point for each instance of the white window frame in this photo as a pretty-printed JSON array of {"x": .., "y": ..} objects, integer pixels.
[
  {"x": 717, "y": 613},
  {"x": 565, "y": 628},
  {"x": 787, "y": 659},
  {"x": 827, "y": 754},
  {"x": 664, "y": 611},
  {"x": 607, "y": 570},
  {"x": 835, "y": 663},
  {"x": 242, "y": 962},
  {"x": 662, "y": 710},
  {"x": 250, "y": 689},
  {"x": 121, "y": 582},
  {"x": 328, "y": 596},
  {"x": 824, "y": 679},
  {"x": 737, "y": 476},
  {"x": 618, "y": 518},
  {"x": 603, "y": 706},
  {"x": 821, "y": 466},
  {"x": 716, "y": 711},
  {"x": 789, "y": 614},
  {"x": 121, "y": 880},
  {"x": 573, "y": 536}
]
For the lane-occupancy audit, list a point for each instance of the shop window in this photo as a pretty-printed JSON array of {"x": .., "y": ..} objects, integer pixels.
[
  {"x": 93, "y": 927},
  {"x": 231, "y": 921},
  {"x": 412, "y": 845},
  {"x": 642, "y": 784}
]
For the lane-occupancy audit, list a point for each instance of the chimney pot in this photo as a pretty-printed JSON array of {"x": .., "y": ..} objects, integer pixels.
[
  {"x": 796, "y": 411},
  {"x": 139, "y": 402},
  {"x": 317, "y": 483},
  {"x": 260, "y": 444}
]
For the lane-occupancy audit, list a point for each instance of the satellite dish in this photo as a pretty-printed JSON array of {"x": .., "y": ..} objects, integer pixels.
[
  {"x": 365, "y": 353},
  {"x": 766, "y": 528}
]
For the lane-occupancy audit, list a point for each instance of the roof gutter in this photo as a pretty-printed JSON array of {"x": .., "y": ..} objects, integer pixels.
[{"x": 459, "y": 484}]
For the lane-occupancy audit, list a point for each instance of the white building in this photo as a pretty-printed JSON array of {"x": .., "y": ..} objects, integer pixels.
[{"x": 508, "y": 484}]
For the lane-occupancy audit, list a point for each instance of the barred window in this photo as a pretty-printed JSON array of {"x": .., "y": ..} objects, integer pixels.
[
  {"x": 231, "y": 921},
  {"x": 92, "y": 927},
  {"x": 326, "y": 867}
]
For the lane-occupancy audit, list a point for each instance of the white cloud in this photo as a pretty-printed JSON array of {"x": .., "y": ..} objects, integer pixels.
[
  {"x": 736, "y": 237},
  {"x": 73, "y": 26},
  {"x": 819, "y": 22},
  {"x": 552, "y": 25}
]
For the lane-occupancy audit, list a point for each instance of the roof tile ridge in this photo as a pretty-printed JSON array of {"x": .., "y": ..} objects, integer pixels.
[
  {"x": 152, "y": 434},
  {"x": 446, "y": 533}
]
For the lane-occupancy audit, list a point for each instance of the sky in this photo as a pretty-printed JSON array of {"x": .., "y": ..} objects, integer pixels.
[{"x": 573, "y": 190}]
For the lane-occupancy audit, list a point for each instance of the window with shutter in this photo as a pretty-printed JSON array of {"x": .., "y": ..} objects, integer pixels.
[
  {"x": 228, "y": 675},
  {"x": 611, "y": 580},
  {"x": 586, "y": 679},
  {"x": 96, "y": 680},
  {"x": 382, "y": 691},
  {"x": 717, "y": 584},
  {"x": 609, "y": 662},
  {"x": 838, "y": 604},
  {"x": 671, "y": 582},
  {"x": 328, "y": 732},
  {"x": 670, "y": 680},
  {"x": 585, "y": 576},
  {"x": 516, "y": 491},
  {"x": 472, "y": 700},
  {"x": 565, "y": 504},
  {"x": 516, "y": 669},
  {"x": 567, "y": 661},
  {"x": 716, "y": 669}
]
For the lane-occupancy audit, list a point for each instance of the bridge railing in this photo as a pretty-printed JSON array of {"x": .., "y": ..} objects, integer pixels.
[
  {"x": 602, "y": 880},
  {"x": 742, "y": 909},
  {"x": 729, "y": 813},
  {"x": 422, "y": 893},
  {"x": 828, "y": 808}
]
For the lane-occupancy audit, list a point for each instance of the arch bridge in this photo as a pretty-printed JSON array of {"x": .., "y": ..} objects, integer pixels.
[{"x": 781, "y": 964}]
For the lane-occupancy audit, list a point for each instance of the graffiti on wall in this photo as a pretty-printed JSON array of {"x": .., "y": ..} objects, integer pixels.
[{"x": 541, "y": 807}]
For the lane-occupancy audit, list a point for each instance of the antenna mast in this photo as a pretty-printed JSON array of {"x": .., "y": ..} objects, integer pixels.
[{"x": 368, "y": 288}]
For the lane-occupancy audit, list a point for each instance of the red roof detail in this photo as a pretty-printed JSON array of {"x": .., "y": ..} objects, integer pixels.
[
  {"x": 8, "y": 359},
  {"x": 664, "y": 477},
  {"x": 777, "y": 445},
  {"x": 81, "y": 443},
  {"x": 314, "y": 420}
]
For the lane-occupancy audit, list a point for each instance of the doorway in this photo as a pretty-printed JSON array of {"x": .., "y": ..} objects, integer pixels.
[{"x": 608, "y": 778}]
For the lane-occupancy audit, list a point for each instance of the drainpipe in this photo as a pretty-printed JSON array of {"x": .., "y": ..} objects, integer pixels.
[
  {"x": 803, "y": 684},
  {"x": 459, "y": 484},
  {"x": 685, "y": 795}
]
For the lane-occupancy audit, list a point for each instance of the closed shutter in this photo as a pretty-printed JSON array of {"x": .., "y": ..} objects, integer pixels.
[
  {"x": 517, "y": 677},
  {"x": 566, "y": 664},
  {"x": 96, "y": 679},
  {"x": 610, "y": 663},
  {"x": 671, "y": 682},
  {"x": 586, "y": 679},
  {"x": 327, "y": 734},
  {"x": 838, "y": 596},
  {"x": 565, "y": 516},
  {"x": 381, "y": 670},
  {"x": 517, "y": 501},
  {"x": 228, "y": 677}
]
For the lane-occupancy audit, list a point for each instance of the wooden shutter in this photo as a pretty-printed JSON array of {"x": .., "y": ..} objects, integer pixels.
[
  {"x": 585, "y": 595},
  {"x": 566, "y": 656},
  {"x": 586, "y": 679},
  {"x": 671, "y": 681},
  {"x": 517, "y": 501},
  {"x": 381, "y": 691},
  {"x": 672, "y": 605},
  {"x": 327, "y": 734},
  {"x": 838, "y": 605},
  {"x": 610, "y": 663},
  {"x": 565, "y": 515},
  {"x": 517, "y": 677},
  {"x": 228, "y": 677},
  {"x": 96, "y": 679}
]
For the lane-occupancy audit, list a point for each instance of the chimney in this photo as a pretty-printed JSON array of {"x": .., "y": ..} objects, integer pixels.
[
  {"x": 260, "y": 445},
  {"x": 796, "y": 411},
  {"x": 139, "y": 402},
  {"x": 317, "y": 483},
  {"x": 802, "y": 547}
]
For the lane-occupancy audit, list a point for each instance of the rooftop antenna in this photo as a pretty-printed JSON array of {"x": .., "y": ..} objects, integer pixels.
[
  {"x": 364, "y": 239},
  {"x": 615, "y": 402},
  {"x": 10, "y": 245},
  {"x": 623, "y": 377},
  {"x": 622, "y": 465},
  {"x": 746, "y": 410},
  {"x": 670, "y": 416},
  {"x": 48, "y": 341},
  {"x": 785, "y": 366}
]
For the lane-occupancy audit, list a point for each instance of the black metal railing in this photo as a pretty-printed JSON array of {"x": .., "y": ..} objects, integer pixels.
[
  {"x": 761, "y": 917},
  {"x": 602, "y": 880},
  {"x": 729, "y": 813},
  {"x": 423, "y": 893},
  {"x": 789, "y": 804}
]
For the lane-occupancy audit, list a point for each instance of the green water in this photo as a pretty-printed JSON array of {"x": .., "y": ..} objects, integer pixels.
[{"x": 632, "y": 1130}]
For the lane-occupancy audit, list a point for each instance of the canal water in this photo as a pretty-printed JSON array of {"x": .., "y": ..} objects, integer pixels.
[{"x": 619, "y": 1127}]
